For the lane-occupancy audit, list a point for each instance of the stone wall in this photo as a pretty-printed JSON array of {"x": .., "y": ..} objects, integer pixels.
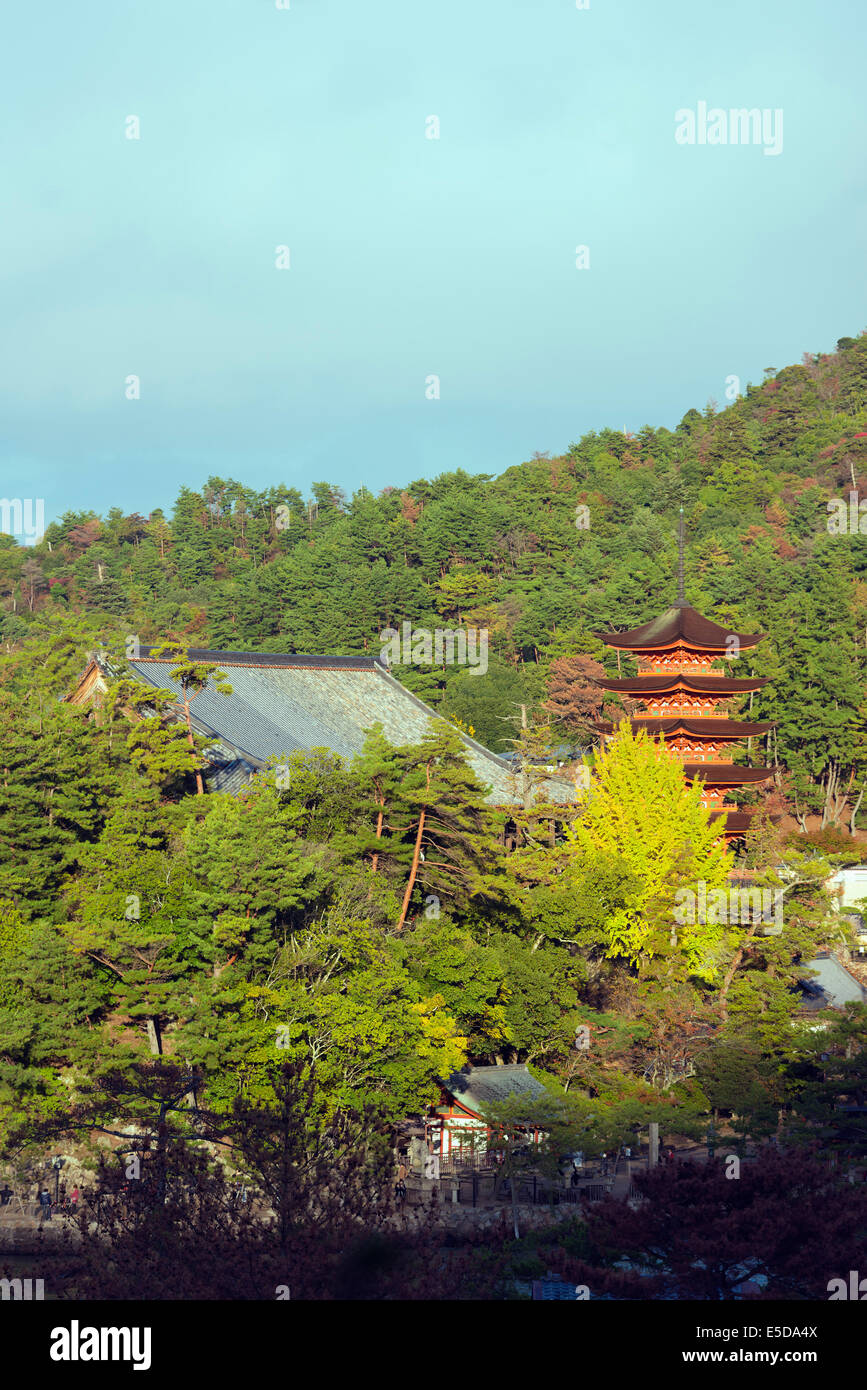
[
  {"x": 26, "y": 1237},
  {"x": 460, "y": 1217}
]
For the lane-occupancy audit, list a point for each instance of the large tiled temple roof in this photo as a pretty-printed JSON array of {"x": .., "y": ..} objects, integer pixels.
[{"x": 281, "y": 704}]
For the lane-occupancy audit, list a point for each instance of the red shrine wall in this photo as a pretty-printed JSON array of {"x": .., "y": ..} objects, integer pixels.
[{"x": 681, "y": 702}]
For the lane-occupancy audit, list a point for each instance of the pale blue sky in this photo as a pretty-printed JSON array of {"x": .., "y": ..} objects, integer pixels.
[{"x": 409, "y": 256}]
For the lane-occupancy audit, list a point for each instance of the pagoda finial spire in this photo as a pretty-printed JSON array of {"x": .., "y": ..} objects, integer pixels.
[{"x": 681, "y": 601}]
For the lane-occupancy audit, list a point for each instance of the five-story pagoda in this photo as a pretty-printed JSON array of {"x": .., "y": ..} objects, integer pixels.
[{"x": 681, "y": 694}]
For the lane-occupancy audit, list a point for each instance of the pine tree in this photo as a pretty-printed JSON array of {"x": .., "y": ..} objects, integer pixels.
[
  {"x": 380, "y": 769},
  {"x": 449, "y": 824},
  {"x": 193, "y": 677},
  {"x": 58, "y": 778},
  {"x": 134, "y": 914},
  {"x": 158, "y": 746}
]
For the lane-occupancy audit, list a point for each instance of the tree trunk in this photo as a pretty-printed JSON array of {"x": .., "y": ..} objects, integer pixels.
[
  {"x": 730, "y": 973},
  {"x": 415, "y": 861},
  {"x": 154, "y": 1040},
  {"x": 835, "y": 799},
  {"x": 375, "y": 860},
  {"x": 800, "y": 816},
  {"x": 829, "y": 785},
  {"x": 379, "y": 819},
  {"x": 200, "y": 789}
]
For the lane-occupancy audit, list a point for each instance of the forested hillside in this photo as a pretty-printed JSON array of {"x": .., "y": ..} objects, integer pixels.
[
  {"x": 140, "y": 919},
  {"x": 236, "y": 569}
]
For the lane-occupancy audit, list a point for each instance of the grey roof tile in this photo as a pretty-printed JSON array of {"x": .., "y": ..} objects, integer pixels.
[
  {"x": 481, "y": 1085},
  {"x": 281, "y": 704},
  {"x": 832, "y": 985}
]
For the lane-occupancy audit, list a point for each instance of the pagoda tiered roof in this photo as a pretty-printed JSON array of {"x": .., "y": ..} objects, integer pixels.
[
  {"x": 680, "y": 625},
  {"x": 713, "y": 728},
  {"x": 686, "y": 642},
  {"x": 683, "y": 680},
  {"x": 726, "y": 774},
  {"x": 736, "y": 822}
]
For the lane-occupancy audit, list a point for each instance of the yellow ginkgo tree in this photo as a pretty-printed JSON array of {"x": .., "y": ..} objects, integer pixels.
[{"x": 640, "y": 813}]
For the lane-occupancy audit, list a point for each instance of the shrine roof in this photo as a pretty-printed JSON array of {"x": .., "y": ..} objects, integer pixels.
[
  {"x": 677, "y": 624},
  {"x": 682, "y": 680},
  {"x": 481, "y": 1086}
]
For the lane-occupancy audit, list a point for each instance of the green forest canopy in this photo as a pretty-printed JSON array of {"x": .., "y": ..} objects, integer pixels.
[{"x": 138, "y": 918}]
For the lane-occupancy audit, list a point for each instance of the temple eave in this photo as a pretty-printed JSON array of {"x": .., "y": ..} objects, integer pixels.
[
  {"x": 681, "y": 681},
  {"x": 736, "y": 822},
  {"x": 714, "y": 727},
  {"x": 726, "y": 774},
  {"x": 681, "y": 625},
  {"x": 626, "y": 642}
]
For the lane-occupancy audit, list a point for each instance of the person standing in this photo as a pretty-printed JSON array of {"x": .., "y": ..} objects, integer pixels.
[
  {"x": 45, "y": 1204},
  {"x": 400, "y": 1184}
]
